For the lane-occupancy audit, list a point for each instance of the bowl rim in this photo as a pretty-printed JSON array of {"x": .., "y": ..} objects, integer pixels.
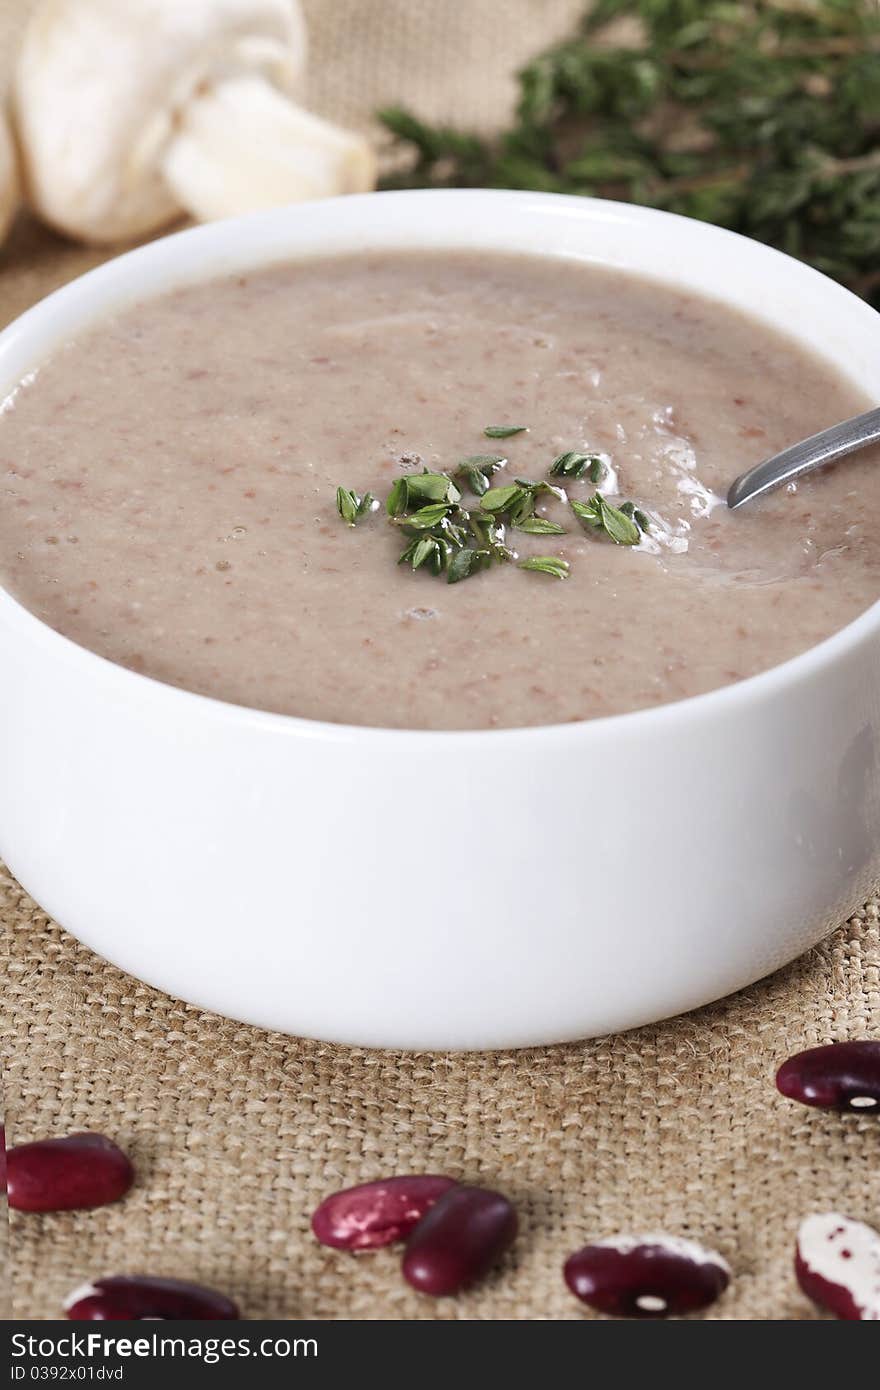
[{"x": 724, "y": 700}]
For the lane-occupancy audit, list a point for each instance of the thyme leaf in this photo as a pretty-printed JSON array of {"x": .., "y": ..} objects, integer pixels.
[
  {"x": 426, "y": 517},
  {"x": 351, "y": 507},
  {"x": 642, "y": 520},
  {"x": 542, "y": 486},
  {"x": 503, "y": 431},
  {"x": 431, "y": 551},
  {"x": 467, "y": 562},
  {"x": 578, "y": 466},
  {"x": 421, "y": 487},
  {"x": 475, "y": 471},
  {"x": 547, "y": 564},
  {"x": 499, "y": 500},
  {"x": 540, "y": 526},
  {"x": 490, "y": 535},
  {"x": 617, "y": 524}
]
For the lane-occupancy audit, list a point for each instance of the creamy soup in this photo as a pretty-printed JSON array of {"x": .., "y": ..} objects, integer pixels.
[{"x": 168, "y": 480}]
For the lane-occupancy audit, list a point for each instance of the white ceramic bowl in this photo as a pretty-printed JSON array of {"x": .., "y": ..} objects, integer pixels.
[{"x": 274, "y": 869}]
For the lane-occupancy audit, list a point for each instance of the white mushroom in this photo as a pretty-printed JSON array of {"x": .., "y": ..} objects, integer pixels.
[
  {"x": 8, "y": 176},
  {"x": 131, "y": 111}
]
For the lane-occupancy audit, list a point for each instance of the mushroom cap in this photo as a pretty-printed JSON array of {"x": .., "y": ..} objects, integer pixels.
[
  {"x": 9, "y": 190},
  {"x": 97, "y": 87}
]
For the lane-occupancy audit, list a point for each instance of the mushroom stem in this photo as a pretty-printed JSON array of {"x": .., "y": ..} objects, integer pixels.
[{"x": 241, "y": 145}]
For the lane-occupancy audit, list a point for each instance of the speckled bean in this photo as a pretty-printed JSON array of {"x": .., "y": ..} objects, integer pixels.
[
  {"x": 646, "y": 1276},
  {"x": 377, "y": 1213},
  {"x": 839, "y": 1076},
  {"x": 142, "y": 1297},
  {"x": 837, "y": 1264}
]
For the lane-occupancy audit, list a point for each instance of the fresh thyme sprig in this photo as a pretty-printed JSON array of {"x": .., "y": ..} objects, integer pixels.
[
  {"x": 762, "y": 116},
  {"x": 445, "y": 537}
]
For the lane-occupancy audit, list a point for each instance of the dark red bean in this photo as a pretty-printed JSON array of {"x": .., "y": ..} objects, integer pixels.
[
  {"x": 650, "y": 1276},
  {"x": 841, "y": 1076},
  {"x": 459, "y": 1240},
  {"x": 377, "y": 1213},
  {"x": 143, "y": 1297},
  {"x": 76, "y": 1172},
  {"x": 837, "y": 1264}
]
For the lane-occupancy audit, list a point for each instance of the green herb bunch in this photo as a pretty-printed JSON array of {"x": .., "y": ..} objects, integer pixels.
[
  {"x": 762, "y": 116},
  {"x": 447, "y": 537}
]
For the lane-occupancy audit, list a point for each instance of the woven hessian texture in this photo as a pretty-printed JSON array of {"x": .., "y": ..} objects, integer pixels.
[{"x": 237, "y": 1133}]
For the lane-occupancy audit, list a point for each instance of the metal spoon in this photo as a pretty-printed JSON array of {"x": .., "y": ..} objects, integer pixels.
[{"x": 811, "y": 453}]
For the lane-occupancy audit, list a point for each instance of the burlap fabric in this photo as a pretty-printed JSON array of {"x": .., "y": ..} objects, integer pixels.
[{"x": 237, "y": 1133}]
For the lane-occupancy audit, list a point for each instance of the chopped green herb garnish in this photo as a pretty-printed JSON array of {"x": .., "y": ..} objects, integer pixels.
[
  {"x": 475, "y": 471},
  {"x": 522, "y": 508},
  {"x": 578, "y": 466},
  {"x": 501, "y": 499},
  {"x": 351, "y": 507},
  {"x": 602, "y": 516},
  {"x": 503, "y": 431},
  {"x": 547, "y": 564},
  {"x": 490, "y": 535},
  {"x": 467, "y": 562},
  {"x": 543, "y": 486},
  {"x": 431, "y": 551},
  {"x": 642, "y": 520},
  {"x": 487, "y": 463},
  {"x": 445, "y": 537},
  {"x": 516, "y": 501},
  {"x": 474, "y": 478},
  {"x": 432, "y": 487},
  {"x": 396, "y": 501},
  {"x": 421, "y": 487},
  {"x": 426, "y": 517}
]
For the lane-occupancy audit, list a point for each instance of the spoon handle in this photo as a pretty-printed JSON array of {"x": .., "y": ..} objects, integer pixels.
[{"x": 811, "y": 453}]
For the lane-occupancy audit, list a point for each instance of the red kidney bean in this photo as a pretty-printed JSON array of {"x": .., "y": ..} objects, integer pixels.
[
  {"x": 76, "y": 1172},
  {"x": 649, "y": 1276},
  {"x": 377, "y": 1213},
  {"x": 841, "y": 1076},
  {"x": 141, "y": 1297},
  {"x": 837, "y": 1264},
  {"x": 459, "y": 1240}
]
